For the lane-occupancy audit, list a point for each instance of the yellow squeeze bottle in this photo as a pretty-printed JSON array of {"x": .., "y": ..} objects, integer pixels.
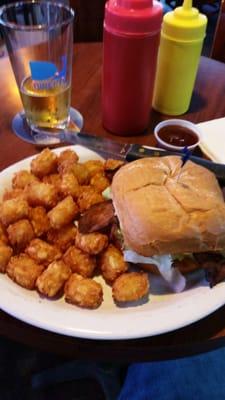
[{"x": 182, "y": 35}]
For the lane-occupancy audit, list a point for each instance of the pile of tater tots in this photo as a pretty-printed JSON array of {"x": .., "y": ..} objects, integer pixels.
[{"x": 41, "y": 246}]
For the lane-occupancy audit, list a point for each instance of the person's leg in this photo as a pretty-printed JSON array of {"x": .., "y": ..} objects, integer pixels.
[{"x": 198, "y": 377}]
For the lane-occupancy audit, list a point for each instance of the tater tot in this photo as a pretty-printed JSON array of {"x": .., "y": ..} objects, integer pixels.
[
  {"x": 20, "y": 234},
  {"x": 44, "y": 164},
  {"x": 88, "y": 197},
  {"x": 62, "y": 238},
  {"x": 42, "y": 194},
  {"x": 67, "y": 156},
  {"x": 111, "y": 263},
  {"x": 53, "y": 179},
  {"x": 5, "y": 255},
  {"x": 3, "y": 235},
  {"x": 83, "y": 292},
  {"x": 14, "y": 194},
  {"x": 99, "y": 182},
  {"x": 24, "y": 271},
  {"x": 81, "y": 173},
  {"x": 42, "y": 252},
  {"x": 22, "y": 178},
  {"x": 66, "y": 162},
  {"x": 39, "y": 220},
  {"x": 131, "y": 286},
  {"x": 80, "y": 262},
  {"x": 12, "y": 210},
  {"x": 91, "y": 243},
  {"x": 94, "y": 167},
  {"x": 63, "y": 213},
  {"x": 52, "y": 280},
  {"x": 112, "y": 165},
  {"x": 69, "y": 185}
]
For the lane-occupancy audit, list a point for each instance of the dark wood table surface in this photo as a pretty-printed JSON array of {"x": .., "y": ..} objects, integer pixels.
[{"x": 207, "y": 103}]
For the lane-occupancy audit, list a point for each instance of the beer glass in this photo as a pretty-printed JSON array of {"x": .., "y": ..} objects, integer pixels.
[{"x": 39, "y": 40}]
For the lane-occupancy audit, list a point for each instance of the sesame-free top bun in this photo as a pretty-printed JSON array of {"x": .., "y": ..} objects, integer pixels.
[{"x": 163, "y": 208}]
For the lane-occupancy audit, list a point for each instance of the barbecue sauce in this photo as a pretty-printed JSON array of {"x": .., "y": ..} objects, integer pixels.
[{"x": 178, "y": 135}]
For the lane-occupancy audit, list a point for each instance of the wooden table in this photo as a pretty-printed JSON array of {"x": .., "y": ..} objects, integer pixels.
[{"x": 207, "y": 103}]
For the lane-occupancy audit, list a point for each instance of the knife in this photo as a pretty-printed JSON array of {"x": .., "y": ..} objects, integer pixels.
[{"x": 123, "y": 151}]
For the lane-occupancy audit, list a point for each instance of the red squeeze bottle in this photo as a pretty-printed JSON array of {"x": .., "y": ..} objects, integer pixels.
[{"x": 130, "y": 47}]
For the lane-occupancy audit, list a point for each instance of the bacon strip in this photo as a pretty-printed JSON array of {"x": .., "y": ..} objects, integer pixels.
[
  {"x": 215, "y": 274},
  {"x": 97, "y": 217},
  {"x": 214, "y": 266}
]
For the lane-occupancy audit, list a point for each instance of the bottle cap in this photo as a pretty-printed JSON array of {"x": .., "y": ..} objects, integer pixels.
[
  {"x": 133, "y": 17},
  {"x": 184, "y": 23}
]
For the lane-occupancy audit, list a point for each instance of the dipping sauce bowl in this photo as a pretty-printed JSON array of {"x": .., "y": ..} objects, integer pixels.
[{"x": 175, "y": 134}]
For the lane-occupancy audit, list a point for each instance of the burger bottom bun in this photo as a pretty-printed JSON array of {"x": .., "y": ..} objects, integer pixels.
[{"x": 185, "y": 266}]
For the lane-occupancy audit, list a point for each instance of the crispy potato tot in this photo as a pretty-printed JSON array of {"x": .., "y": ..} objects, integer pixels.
[
  {"x": 14, "y": 194},
  {"x": 42, "y": 252},
  {"x": 131, "y": 286},
  {"x": 81, "y": 173},
  {"x": 62, "y": 238},
  {"x": 80, "y": 262},
  {"x": 99, "y": 182},
  {"x": 94, "y": 167},
  {"x": 111, "y": 263},
  {"x": 5, "y": 255},
  {"x": 3, "y": 235},
  {"x": 42, "y": 194},
  {"x": 65, "y": 167},
  {"x": 78, "y": 170},
  {"x": 44, "y": 164},
  {"x": 69, "y": 185},
  {"x": 113, "y": 165},
  {"x": 24, "y": 271},
  {"x": 91, "y": 243},
  {"x": 88, "y": 197},
  {"x": 83, "y": 292},
  {"x": 22, "y": 178},
  {"x": 39, "y": 220},
  {"x": 66, "y": 157},
  {"x": 12, "y": 210},
  {"x": 52, "y": 280},
  {"x": 63, "y": 213},
  {"x": 20, "y": 234},
  {"x": 53, "y": 179}
]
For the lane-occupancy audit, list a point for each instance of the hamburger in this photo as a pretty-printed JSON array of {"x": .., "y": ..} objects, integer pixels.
[
  {"x": 171, "y": 215},
  {"x": 166, "y": 217}
]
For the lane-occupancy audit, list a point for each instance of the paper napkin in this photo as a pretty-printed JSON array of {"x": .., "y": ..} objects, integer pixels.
[{"x": 213, "y": 139}]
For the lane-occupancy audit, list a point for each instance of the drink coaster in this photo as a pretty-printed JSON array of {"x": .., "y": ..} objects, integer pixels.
[{"x": 23, "y": 131}]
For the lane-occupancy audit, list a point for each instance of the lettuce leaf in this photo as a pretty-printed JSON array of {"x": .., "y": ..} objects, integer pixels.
[{"x": 164, "y": 264}]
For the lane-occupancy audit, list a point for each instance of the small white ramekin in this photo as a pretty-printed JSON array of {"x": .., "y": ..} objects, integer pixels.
[{"x": 181, "y": 122}]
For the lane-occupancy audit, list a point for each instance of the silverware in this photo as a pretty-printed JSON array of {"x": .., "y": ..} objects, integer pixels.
[{"x": 111, "y": 148}]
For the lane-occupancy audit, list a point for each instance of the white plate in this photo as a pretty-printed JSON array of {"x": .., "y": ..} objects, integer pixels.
[{"x": 163, "y": 312}]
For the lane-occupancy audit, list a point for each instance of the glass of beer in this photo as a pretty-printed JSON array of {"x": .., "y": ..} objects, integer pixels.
[{"x": 39, "y": 40}]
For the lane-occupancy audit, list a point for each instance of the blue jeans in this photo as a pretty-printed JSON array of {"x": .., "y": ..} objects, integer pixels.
[{"x": 200, "y": 377}]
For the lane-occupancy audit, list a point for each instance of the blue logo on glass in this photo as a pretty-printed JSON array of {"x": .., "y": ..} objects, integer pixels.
[{"x": 45, "y": 74}]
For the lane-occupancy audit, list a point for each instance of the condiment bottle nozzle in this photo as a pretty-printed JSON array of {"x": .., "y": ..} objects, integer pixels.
[{"x": 187, "y": 4}]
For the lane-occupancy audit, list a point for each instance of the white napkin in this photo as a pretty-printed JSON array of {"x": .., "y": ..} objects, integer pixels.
[{"x": 213, "y": 139}]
